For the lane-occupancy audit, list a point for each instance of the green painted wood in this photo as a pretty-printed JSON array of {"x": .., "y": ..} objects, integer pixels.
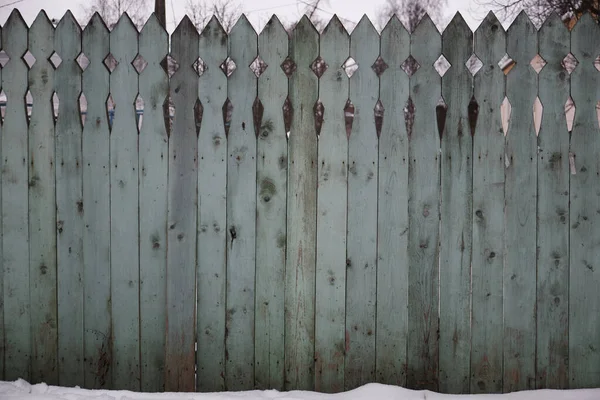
[
  {"x": 456, "y": 232},
  {"x": 212, "y": 208},
  {"x": 153, "y": 169},
  {"x": 124, "y": 211},
  {"x": 15, "y": 238},
  {"x": 552, "y": 351},
  {"x": 182, "y": 211},
  {"x": 392, "y": 212},
  {"x": 3, "y": 324},
  {"x": 301, "y": 212},
  {"x": 271, "y": 184},
  {"x": 69, "y": 205},
  {"x": 488, "y": 209},
  {"x": 423, "y": 209},
  {"x": 42, "y": 206},
  {"x": 96, "y": 199},
  {"x": 361, "y": 271},
  {"x": 241, "y": 211},
  {"x": 584, "y": 218},
  {"x": 520, "y": 211},
  {"x": 332, "y": 203}
]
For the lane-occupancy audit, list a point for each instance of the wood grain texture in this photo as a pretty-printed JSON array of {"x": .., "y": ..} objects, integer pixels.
[
  {"x": 392, "y": 212},
  {"x": 271, "y": 184},
  {"x": 456, "y": 233},
  {"x": 361, "y": 267},
  {"x": 182, "y": 214},
  {"x": 42, "y": 207},
  {"x": 212, "y": 208},
  {"x": 152, "y": 175},
  {"x": 488, "y": 209},
  {"x": 423, "y": 208},
  {"x": 15, "y": 238},
  {"x": 332, "y": 202},
  {"x": 584, "y": 218},
  {"x": 241, "y": 211},
  {"x": 301, "y": 212},
  {"x": 552, "y": 316}
]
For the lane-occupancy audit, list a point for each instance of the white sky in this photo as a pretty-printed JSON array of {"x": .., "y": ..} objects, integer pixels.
[{"x": 258, "y": 11}]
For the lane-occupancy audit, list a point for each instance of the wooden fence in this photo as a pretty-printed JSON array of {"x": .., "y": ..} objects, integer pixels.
[{"x": 302, "y": 228}]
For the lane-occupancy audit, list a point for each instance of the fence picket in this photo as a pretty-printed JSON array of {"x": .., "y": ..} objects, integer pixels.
[
  {"x": 212, "y": 208},
  {"x": 361, "y": 268},
  {"x": 2, "y": 335},
  {"x": 42, "y": 206}
]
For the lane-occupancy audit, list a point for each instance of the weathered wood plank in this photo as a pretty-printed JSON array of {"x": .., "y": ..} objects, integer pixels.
[
  {"x": 182, "y": 212},
  {"x": 2, "y": 352},
  {"x": 361, "y": 268},
  {"x": 332, "y": 204},
  {"x": 96, "y": 216},
  {"x": 423, "y": 209},
  {"x": 392, "y": 211},
  {"x": 69, "y": 204},
  {"x": 241, "y": 210},
  {"x": 153, "y": 169},
  {"x": 584, "y": 215},
  {"x": 271, "y": 178},
  {"x": 552, "y": 329},
  {"x": 42, "y": 206},
  {"x": 456, "y": 233},
  {"x": 520, "y": 211},
  {"x": 212, "y": 206},
  {"x": 15, "y": 238},
  {"x": 124, "y": 234},
  {"x": 488, "y": 209},
  {"x": 301, "y": 212}
]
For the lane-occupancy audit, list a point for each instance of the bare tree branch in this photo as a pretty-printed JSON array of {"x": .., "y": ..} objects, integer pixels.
[
  {"x": 539, "y": 10},
  {"x": 111, "y": 11},
  {"x": 226, "y": 11},
  {"x": 410, "y": 12}
]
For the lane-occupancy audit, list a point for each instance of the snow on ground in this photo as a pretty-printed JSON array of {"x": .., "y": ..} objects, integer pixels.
[{"x": 22, "y": 390}]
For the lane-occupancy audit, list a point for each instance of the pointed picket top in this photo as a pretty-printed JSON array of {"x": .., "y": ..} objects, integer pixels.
[
  {"x": 274, "y": 25},
  {"x": 582, "y": 47},
  {"x": 426, "y": 42},
  {"x": 185, "y": 25},
  {"x": 41, "y": 28},
  {"x": 365, "y": 29},
  {"x": 304, "y": 27},
  {"x": 490, "y": 24},
  {"x": 213, "y": 27},
  {"x": 68, "y": 21},
  {"x": 14, "y": 40},
  {"x": 552, "y": 20},
  {"x": 490, "y": 41},
  {"x": 553, "y": 41},
  {"x": 152, "y": 25},
  {"x": 426, "y": 26},
  {"x": 42, "y": 19},
  {"x": 335, "y": 25},
  {"x": 95, "y": 23},
  {"x": 244, "y": 26},
  {"x": 522, "y": 22},
  {"x": 456, "y": 32},
  {"x": 124, "y": 26},
  {"x": 183, "y": 37}
]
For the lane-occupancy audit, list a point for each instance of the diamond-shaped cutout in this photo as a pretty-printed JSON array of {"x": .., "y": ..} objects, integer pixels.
[
  {"x": 55, "y": 105},
  {"x": 474, "y": 64},
  {"x": 169, "y": 65},
  {"x": 82, "y": 108},
  {"x": 319, "y": 66},
  {"x": 139, "y": 111},
  {"x": 258, "y": 66},
  {"x": 110, "y": 110},
  {"x": 348, "y": 116},
  {"x": 379, "y": 111},
  {"x": 350, "y": 66},
  {"x": 227, "y": 113},
  {"x": 506, "y": 64},
  {"x": 441, "y": 65},
  {"x": 82, "y": 61},
  {"x": 110, "y": 62},
  {"x": 200, "y": 66},
  {"x": 538, "y": 63},
  {"x": 287, "y": 115},
  {"x": 288, "y": 66},
  {"x": 570, "y": 113},
  {"x": 410, "y": 65},
  {"x": 198, "y": 113},
  {"x": 3, "y": 102},
  {"x": 28, "y": 104},
  {"x": 538, "y": 111},
  {"x": 379, "y": 66},
  {"x": 319, "y": 112},
  {"x": 228, "y": 66},
  {"x": 29, "y": 59},
  {"x": 505, "y": 111},
  {"x": 4, "y": 58},
  {"x": 139, "y": 63},
  {"x": 569, "y": 63},
  {"x": 597, "y": 63},
  {"x": 55, "y": 60}
]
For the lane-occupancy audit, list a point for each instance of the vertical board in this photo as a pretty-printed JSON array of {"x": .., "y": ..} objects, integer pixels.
[
  {"x": 15, "y": 239},
  {"x": 96, "y": 216},
  {"x": 456, "y": 231},
  {"x": 2, "y": 322},
  {"x": 124, "y": 234},
  {"x": 241, "y": 211},
  {"x": 182, "y": 214},
  {"x": 423, "y": 209},
  {"x": 584, "y": 218},
  {"x": 488, "y": 209},
  {"x": 520, "y": 211},
  {"x": 552, "y": 352},
  {"x": 212, "y": 206},
  {"x": 301, "y": 212},
  {"x": 152, "y": 175},
  {"x": 271, "y": 183},
  {"x": 392, "y": 212},
  {"x": 42, "y": 206},
  {"x": 332, "y": 202},
  {"x": 361, "y": 267},
  {"x": 69, "y": 205}
]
